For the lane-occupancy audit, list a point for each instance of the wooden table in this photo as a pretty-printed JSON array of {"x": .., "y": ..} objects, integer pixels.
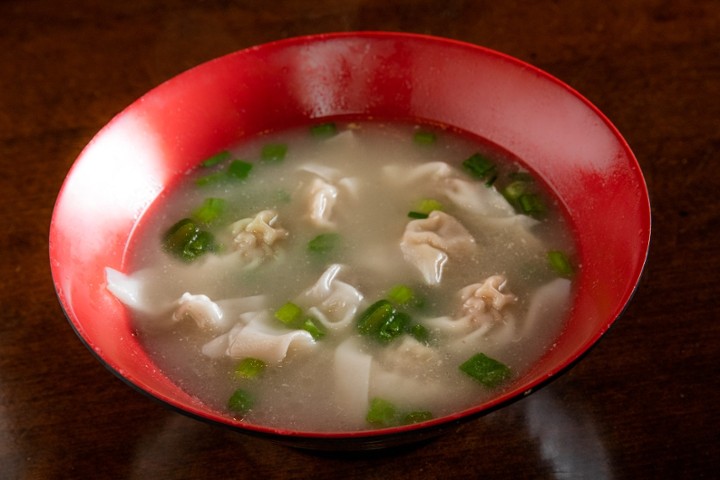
[{"x": 644, "y": 403}]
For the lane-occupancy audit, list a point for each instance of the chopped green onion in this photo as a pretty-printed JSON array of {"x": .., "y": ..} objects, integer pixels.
[
  {"x": 215, "y": 177},
  {"x": 323, "y": 130},
  {"x": 240, "y": 401},
  {"x": 381, "y": 413},
  {"x": 417, "y": 417},
  {"x": 419, "y": 333},
  {"x": 427, "y": 205},
  {"x": 479, "y": 166},
  {"x": 203, "y": 243},
  {"x": 423, "y": 137},
  {"x": 215, "y": 159},
  {"x": 274, "y": 152},
  {"x": 187, "y": 241},
  {"x": 531, "y": 204},
  {"x": 393, "y": 327},
  {"x": 383, "y": 322},
  {"x": 210, "y": 210},
  {"x": 292, "y": 316},
  {"x": 179, "y": 234},
  {"x": 314, "y": 328},
  {"x": 239, "y": 169},
  {"x": 491, "y": 180},
  {"x": 514, "y": 190},
  {"x": 249, "y": 368},
  {"x": 521, "y": 175},
  {"x": 424, "y": 207},
  {"x": 289, "y": 314},
  {"x": 375, "y": 316},
  {"x": 324, "y": 243},
  {"x": 560, "y": 263},
  {"x": 487, "y": 371},
  {"x": 401, "y": 295}
]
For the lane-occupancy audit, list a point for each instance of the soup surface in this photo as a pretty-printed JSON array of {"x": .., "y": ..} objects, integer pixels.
[{"x": 350, "y": 276}]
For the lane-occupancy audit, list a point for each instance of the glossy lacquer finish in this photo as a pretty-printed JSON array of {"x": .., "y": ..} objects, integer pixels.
[
  {"x": 149, "y": 146},
  {"x": 641, "y": 403}
]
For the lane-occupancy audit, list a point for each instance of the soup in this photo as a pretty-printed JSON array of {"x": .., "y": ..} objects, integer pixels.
[{"x": 350, "y": 275}]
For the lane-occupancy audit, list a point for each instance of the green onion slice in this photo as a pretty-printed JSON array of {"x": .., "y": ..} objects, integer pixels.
[
  {"x": 314, "y": 328},
  {"x": 419, "y": 333},
  {"x": 514, "y": 190},
  {"x": 479, "y": 166},
  {"x": 273, "y": 152},
  {"x": 427, "y": 205},
  {"x": 485, "y": 370},
  {"x": 417, "y": 417},
  {"x": 560, "y": 263},
  {"x": 240, "y": 401},
  {"x": 187, "y": 241},
  {"x": 375, "y": 316},
  {"x": 424, "y": 207},
  {"x": 324, "y": 243},
  {"x": 531, "y": 204},
  {"x": 401, "y": 295},
  {"x": 424, "y": 137},
  {"x": 209, "y": 211},
  {"x": 249, "y": 368},
  {"x": 215, "y": 159},
  {"x": 290, "y": 314},
  {"x": 239, "y": 169},
  {"x": 382, "y": 322},
  {"x": 393, "y": 327},
  {"x": 211, "y": 179},
  {"x": 323, "y": 130},
  {"x": 381, "y": 413}
]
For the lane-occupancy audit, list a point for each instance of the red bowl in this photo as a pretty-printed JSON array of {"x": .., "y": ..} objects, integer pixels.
[{"x": 566, "y": 140}]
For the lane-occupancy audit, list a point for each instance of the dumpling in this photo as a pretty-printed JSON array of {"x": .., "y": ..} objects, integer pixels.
[
  {"x": 325, "y": 188},
  {"x": 406, "y": 373},
  {"x": 476, "y": 198},
  {"x": 351, "y": 376},
  {"x": 256, "y": 237},
  {"x": 430, "y": 174},
  {"x": 333, "y": 302},
  {"x": 257, "y": 337},
  {"x": 136, "y": 291},
  {"x": 482, "y": 318},
  {"x": 151, "y": 294},
  {"x": 200, "y": 309},
  {"x": 428, "y": 244},
  {"x": 321, "y": 201},
  {"x": 551, "y": 300},
  {"x": 488, "y": 296}
]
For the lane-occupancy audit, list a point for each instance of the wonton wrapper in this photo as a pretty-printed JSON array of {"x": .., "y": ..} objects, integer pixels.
[
  {"x": 492, "y": 331},
  {"x": 321, "y": 201},
  {"x": 430, "y": 242},
  {"x": 255, "y": 237},
  {"x": 333, "y": 302},
  {"x": 152, "y": 293},
  {"x": 257, "y": 337},
  {"x": 351, "y": 374}
]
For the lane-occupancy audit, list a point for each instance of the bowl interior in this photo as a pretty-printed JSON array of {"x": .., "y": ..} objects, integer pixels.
[{"x": 149, "y": 146}]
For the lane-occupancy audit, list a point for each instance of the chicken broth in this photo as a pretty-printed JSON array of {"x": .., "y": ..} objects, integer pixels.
[{"x": 349, "y": 276}]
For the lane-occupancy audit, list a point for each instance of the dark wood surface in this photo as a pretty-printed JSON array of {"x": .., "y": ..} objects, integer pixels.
[{"x": 643, "y": 404}]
